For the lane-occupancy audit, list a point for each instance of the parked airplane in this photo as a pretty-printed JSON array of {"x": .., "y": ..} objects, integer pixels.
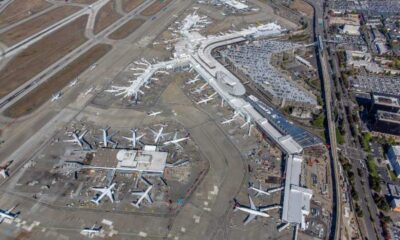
[
  {"x": 265, "y": 192},
  {"x": 7, "y": 214},
  {"x": 93, "y": 67},
  {"x": 78, "y": 139},
  {"x": 253, "y": 211},
  {"x": 194, "y": 80},
  {"x": 88, "y": 91},
  {"x": 92, "y": 231},
  {"x": 231, "y": 119},
  {"x": 176, "y": 140},
  {"x": 4, "y": 169},
  {"x": 153, "y": 114},
  {"x": 56, "y": 96},
  {"x": 107, "y": 191},
  {"x": 107, "y": 138},
  {"x": 200, "y": 89},
  {"x": 73, "y": 83},
  {"x": 143, "y": 195},
  {"x": 159, "y": 135},
  {"x": 206, "y": 100},
  {"x": 134, "y": 139}
]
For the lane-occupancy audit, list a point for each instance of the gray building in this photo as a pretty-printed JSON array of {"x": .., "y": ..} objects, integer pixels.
[{"x": 393, "y": 156}]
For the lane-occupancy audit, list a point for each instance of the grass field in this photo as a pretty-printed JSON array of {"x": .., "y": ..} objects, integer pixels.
[
  {"x": 43, "y": 93},
  {"x": 20, "y": 9},
  {"x": 106, "y": 16},
  {"x": 126, "y": 29},
  {"x": 24, "y": 30},
  {"x": 129, "y": 5},
  {"x": 155, "y": 7},
  {"x": 40, "y": 55}
]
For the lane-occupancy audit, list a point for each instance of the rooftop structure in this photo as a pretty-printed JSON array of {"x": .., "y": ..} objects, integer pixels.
[
  {"x": 393, "y": 156},
  {"x": 285, "y": 127},
  {"x": 295, "y": 213},
  {"x": 394, "y": 190},
  {"x": 148, "y": 162},
  {"x": 385, "y": 100},
  {"x": 358, "y": 59},
  {"x": 395, "y": 204},
  {"x": 351, "y": 29}
]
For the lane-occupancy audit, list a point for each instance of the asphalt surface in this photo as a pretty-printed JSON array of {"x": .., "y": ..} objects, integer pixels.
[{"x": 324, "y": 73}]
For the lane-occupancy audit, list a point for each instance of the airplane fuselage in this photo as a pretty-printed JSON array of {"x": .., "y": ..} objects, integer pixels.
[{"x": 253, "y": 212}]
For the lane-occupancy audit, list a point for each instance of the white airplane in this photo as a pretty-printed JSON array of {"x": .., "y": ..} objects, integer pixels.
[
  {"x": 73, "y": 83},
  {"x": 107, "y": 191},
  {"x": 134, "y": 139},
  {"x": 176, "y": 140},
  {"x": 143, "y": 195},
  {"x": 4, "y": 169},
  {"x": 200, "y": 89},
  {"x": 206, "y": 100},
  {"x": 7, "y": 214},
  {"x": 78, "y": 139},
  {"x": 194, "y": 80},
  {"x": 93, "y": 67},
  {"x": 91, "y": 231},
  {"x": 56, "y": 96},
  {"x": 159, "y": 135},
  {"x": 253, "y": 211},
  {"x": 88, "y": 91},
  {"x": 265, "y": 192},
  {"x": 231, "y": 119},
  {"x": 107, "y": 138},
  {"x": 153, "y": 114}
]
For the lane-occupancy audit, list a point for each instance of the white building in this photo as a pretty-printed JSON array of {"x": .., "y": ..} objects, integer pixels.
[
  {"x": 393, "y": 156},
  {"x": 351, "y": 30}
]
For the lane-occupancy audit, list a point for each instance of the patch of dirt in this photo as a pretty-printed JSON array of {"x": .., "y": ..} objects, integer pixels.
[
  {"x": 155, "y": 7},
  {"x": 126, "y": 29},
  {"x": 24, "y": 30},
  {"x": 303, "y": 7},
  {"x": 41, "y": 55},
  {"x": 106, "y": 16},
  {"x": 42, "y": 93},
  {"x": 20, "y": 9},
  {"x": 129, "y": 5}
]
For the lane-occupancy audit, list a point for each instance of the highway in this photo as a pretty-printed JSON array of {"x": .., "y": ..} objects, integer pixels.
[
  {"x": 354, "y": 151},
  {"x": 324, "y": 73}
]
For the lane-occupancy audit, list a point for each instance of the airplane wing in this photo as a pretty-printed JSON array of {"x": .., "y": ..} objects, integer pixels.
[
  {"x": 10, "y": 210},
  {"x": 138, "y": 193},
  {"x": 154, "y": 132},
  {"x": 249, "y": 218},
  {"x": 178, "y": 145},
  {"x": 110, "y": 196},
  {"x": 252, "y": 206},
  {"x": 148, "y": 198},
  {"x": 97, "y": 189},
  {"x": 83, "y": 134}
]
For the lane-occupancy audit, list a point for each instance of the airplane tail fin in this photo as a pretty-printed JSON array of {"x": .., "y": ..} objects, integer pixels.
[
  {"x": 95, "y": 201},
  {"x": 136, "y": 204}
]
